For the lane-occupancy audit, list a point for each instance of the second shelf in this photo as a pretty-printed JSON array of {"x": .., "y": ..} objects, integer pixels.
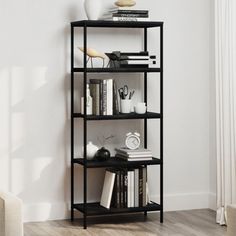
[{"x": 147, "y": 115}]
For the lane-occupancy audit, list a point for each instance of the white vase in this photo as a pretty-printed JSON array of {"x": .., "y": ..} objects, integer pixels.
[
  {"x": 92, "y": 9},
  {"x": 91, "y": 150}
]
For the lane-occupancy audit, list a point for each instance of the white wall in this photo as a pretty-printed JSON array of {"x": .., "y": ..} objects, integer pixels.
[{"x": 34, "y": 104}]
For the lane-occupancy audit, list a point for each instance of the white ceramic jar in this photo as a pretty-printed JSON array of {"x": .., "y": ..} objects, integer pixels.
[
  {"x": 91, "y": 150},
  {"x": 92, "y": 9}
]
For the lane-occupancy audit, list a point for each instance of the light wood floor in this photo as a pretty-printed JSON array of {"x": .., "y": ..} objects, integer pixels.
[{"x": 186, "y": 223}]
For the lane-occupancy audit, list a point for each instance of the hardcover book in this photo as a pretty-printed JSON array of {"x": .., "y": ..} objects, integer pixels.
[{"x": 107, "y": 189}]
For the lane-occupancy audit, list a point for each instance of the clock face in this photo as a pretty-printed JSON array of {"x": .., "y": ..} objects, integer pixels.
[{"x": 132, "y": 142}]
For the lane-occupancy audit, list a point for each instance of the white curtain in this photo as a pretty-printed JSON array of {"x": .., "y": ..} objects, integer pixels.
[{"x": 225, "y": 69}]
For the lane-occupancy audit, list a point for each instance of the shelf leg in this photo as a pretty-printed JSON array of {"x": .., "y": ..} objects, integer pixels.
[
  {"x": 85, "y": 221},
  {"x": 161, "y": 216},
  {"x": 145, "y": 213}
]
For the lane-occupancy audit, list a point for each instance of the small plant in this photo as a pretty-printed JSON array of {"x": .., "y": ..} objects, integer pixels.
[{"x": 103, "y": 140}]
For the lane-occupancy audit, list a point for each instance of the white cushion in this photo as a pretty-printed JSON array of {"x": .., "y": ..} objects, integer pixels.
[{"x": 11, "y": 223}]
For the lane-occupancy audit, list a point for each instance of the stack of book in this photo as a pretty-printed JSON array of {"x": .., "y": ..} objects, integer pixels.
[
  {"x": 125, "y": 14},
  {"x": 133, "y": 155},
  {"x": 124, "y": 188},
  {"x": 105, "y": 97},
  {"x": 131, "y": 59}
]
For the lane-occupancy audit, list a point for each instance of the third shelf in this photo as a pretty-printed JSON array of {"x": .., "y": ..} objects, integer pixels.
[
  {"x": 147, "y": 115},
  {"x": 115, "y": 162}
]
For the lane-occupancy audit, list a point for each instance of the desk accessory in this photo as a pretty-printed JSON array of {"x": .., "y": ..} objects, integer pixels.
[
  {"x": 132, "y": 141},
  {"x": 140, "y": 108},
  {"x": 125, "y": 106}
]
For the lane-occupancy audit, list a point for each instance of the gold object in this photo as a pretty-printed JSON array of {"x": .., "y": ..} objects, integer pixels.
[
  {"x": 125, "y": 3},
  {"x": 92, "y": 53}
]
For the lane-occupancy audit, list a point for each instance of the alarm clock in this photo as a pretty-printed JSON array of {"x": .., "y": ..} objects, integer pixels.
[{"x": 132, "y": 141}]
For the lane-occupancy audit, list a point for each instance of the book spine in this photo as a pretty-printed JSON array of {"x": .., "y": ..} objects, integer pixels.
[
  {"x": 92, "y": 88},
  {"x": 137, "y": 62},
  {"x": 114, "y": 194},
  {"x": 97, "y": 109},
  {"x": 104, "y": 97},
  {"x": 115, "y": 99},
  {"x": 132, "y": 189},
  {"x": 121, "y": 189},
  {"x": 109, "y": 97},
  {"x": 118, "y": 190},
  {"x": 101, "y": 98},
  {"x": 142, "y": 12},
  {"x": 130, "y": 15},
  {"x": 128, "y": 19},
  {"x": 144, "y": 186},
  {"x": 140, "y": 187},
  {"x": 136, "y": 188},
  {"x": 125, "y": 187},
  {"x": 129, "y": 189}
]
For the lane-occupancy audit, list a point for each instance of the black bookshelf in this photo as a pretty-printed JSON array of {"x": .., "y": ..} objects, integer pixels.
[{"x": 93, "y": 209}]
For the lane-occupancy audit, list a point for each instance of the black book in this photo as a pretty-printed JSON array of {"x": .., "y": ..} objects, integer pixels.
[
  {"x": 114, "y": 193},
  {"x": 132, "y": 11},
  {"x": 99, "y": 102},
  {"x": 115, "y": 99},
  {"x": 140, "y": 186},
  {"x": 130, "y": 15}
]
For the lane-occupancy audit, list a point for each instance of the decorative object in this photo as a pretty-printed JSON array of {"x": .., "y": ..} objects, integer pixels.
[
  {"x": 11, "y": 222},
  {"x": 89, "y": 103},
  {"x": 125, "y": 106},
  {"x": 140, "y": 108},
  {"x": 92, "y": 53},
  {"x": 125, "y": 3},
  {"x": 132, "y": 141},
  {"x": 103, "y": 154},
  {"x": 92, "y": 9},
  {"x": 91, "y": 150}
]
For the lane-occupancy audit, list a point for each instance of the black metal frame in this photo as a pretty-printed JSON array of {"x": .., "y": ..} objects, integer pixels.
[{"x": 89, "y": 209}]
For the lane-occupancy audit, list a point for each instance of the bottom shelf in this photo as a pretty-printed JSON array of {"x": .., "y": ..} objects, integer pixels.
[{"x": 96, "y": 209}]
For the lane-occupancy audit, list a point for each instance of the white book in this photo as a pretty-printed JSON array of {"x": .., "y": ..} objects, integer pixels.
[
  {"x": 138, "y": 57},
  {"x": 134, "y": 159},
  {"x": 116, "y": 18},
  {"x": 107, "y": 189},
  {"x": 136, "y": 188},
  {"x": 110, "y": 97},
  {"x": 132, "y": 189},
  {"x": 140, "y": 151},
  {"x": 137, "y": 62},
  {"x": 129, "y": 189}
]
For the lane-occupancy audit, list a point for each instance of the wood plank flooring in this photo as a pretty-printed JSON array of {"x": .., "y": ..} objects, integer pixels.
[{"x": 181, "y": 223}]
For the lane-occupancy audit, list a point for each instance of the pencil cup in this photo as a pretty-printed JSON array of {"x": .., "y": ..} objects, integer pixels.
[{"x": 125, "y": 105}]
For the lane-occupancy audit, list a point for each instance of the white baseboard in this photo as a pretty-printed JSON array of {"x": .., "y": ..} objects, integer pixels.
[
  {"x": 172, "y": 202},
  {"x": 45, "y": 211},
  {"x": 212, "y": 201},
  {"x": 184, "y": 201}
]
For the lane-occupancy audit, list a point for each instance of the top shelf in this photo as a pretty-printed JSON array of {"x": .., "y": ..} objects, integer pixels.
[{"x": 116, "y": 24}]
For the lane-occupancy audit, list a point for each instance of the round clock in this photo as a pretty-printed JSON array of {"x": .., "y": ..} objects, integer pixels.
[{"x": 132, "y": 140}]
